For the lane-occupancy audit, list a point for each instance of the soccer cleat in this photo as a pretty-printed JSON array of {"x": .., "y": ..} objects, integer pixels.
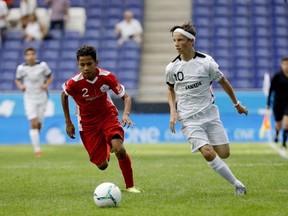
[
  {"x": 240, "y": 190},
  {"x": 38, "y": 154},
  {"x": 276, "y": 139},
  {"x": 133, "y": 190}
]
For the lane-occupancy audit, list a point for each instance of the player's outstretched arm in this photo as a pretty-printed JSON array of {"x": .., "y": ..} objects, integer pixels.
[
  {"x": 230, "y": 92},
  {"x": 70, "y": 129}
]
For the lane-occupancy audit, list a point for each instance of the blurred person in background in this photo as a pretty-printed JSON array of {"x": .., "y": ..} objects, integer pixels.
[
  {"x": 279, "y": 88},
  {"x": 3, "y": 20},
  {"x": 27, "y": 8},
  {"x": 189, "y": 77},
  {"x": 33, "y": 78},
  {"x": 59, "y": 13},
  {"x": 129, "y": 29},
  {"x": 99, "y": 127},
  {"x": 34, "y": 30}
]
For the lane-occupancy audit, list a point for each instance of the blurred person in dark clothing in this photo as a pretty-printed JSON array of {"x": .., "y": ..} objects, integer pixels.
[{"x": 279, "y": 87}]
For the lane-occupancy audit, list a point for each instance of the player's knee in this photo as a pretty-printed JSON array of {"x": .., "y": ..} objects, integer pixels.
[
  {"x": 120, "y": 153},
  {"x": 224, "y": 155},
  {"x": 208, "y": 153},
  {"x": 34, "y": 125},
  {"x": 103, "y": 166}
]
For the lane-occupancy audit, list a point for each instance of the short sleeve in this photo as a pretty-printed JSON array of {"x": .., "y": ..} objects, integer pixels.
[
  {"x": 47, "y": 70},
  {"x": 19, "y": 72},
  {"x": 214, "y": 71},
  {"x": 68, "y": 87},
  {"x": 169, "y": 75},
  {"x": 116, "y": 87}
]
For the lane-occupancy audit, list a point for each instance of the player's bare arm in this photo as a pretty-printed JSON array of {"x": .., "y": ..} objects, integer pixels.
[
  {"x": 19, "y": 85},
  {"x": 70, "y": 129},
  {"x": 47, "y": 83},
  {"x": 125, "y": 120},
  {"x": 172, "y": 105},
  {"x": 229, "y": 90}
]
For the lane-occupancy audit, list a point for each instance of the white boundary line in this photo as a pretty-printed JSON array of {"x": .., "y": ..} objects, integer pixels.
[{"x": 282, "y": 152}]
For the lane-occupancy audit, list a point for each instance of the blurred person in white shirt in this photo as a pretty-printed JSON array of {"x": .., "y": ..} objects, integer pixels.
[
  {"x": 33, "y": 77},
  {"x": 27, "y": 8},
  {"x": 3, "y": 19},
  {"x": 129, "y": 29},
  {"x": 34, "y": 30}
]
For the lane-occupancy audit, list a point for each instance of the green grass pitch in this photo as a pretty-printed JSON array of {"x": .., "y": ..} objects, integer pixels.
[{"x": 175, "y": 182}]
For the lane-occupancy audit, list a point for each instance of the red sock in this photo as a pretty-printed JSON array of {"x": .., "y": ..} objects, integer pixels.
[{"x": 126, "y": 169}]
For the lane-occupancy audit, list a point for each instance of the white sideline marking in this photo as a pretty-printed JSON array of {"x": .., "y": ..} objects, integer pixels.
[{"x": 282, "y": 152}]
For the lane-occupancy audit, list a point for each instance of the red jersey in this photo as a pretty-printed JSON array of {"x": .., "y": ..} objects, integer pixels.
[{"x": 93, "y": 102}]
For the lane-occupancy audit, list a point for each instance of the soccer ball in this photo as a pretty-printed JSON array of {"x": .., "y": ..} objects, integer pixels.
[{"x": 107, "y": 195}]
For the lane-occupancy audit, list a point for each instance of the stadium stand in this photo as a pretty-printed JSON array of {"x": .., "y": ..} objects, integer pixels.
[
  {"x": 248, "y": 37},
  {"x": 91, "y": 22}
]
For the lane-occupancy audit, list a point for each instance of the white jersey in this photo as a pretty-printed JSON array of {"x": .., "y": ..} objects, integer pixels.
[
  {"x": 191, "y": 81},
  {"x": 33, "y": 77},
  {"x": 129, "y": 28}
]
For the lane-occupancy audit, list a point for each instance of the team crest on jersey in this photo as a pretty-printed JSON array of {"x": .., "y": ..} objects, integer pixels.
[{"x": 104, "y": 88}]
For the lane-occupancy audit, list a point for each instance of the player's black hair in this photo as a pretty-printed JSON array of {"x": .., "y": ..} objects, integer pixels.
[
  {"x": 29, "y": 49},
  {"x": 285, "y": 58},
  {"x": 187, "y": 26},
  {"x": 87, "y": 51}
]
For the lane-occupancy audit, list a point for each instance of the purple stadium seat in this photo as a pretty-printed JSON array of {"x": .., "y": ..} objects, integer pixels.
[
  {"x": 95, "y": 12},
  {"x": 68, "y": 54},
  {"x": 49, "y": 54},
  {"x": 7, "y": 86},
  {"x": 92, "y": 34},
  {"x": 11, "y": 54},
  {"x": 71, "y": 34},
  {"x": 108, "y": 54},
  {"x": 13, "y": 45},
  {"x": 14, "y": 35},
  {"x": 9, "y": 65},
  {"x": 51, "y": 44},
  {"x": 93, "y": 24},
  {"x": 8, "y": 75},
  {"x": 71, "y": 45}
]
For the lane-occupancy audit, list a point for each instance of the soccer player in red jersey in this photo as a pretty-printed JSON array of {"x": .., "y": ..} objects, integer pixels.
[{"x": 100, "y": 130}]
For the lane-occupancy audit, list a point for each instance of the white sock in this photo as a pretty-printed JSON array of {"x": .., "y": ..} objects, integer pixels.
[
  {"x": 222, "y": 169},
  {"x": 35, "y": 139}
]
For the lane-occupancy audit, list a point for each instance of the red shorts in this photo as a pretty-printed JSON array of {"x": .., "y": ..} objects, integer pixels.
[{"x": 98, "y": 142}]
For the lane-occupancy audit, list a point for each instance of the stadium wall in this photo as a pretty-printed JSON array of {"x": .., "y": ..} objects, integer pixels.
[{"x": 151, "y": 124}]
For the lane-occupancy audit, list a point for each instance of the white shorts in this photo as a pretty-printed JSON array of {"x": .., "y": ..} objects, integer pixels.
[
  {"x": 35, "y": 109},
  {"x": 204, "y": 128}
]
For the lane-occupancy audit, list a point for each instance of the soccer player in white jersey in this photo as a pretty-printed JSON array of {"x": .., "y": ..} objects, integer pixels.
[
  {"x": 189, "y": 77},
  {"x": 33, "y": 78}
]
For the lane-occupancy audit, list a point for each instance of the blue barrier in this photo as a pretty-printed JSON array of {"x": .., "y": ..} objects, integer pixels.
[{"x": 149, "y": 128}]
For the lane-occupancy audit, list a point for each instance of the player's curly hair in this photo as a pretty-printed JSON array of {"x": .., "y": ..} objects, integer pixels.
[
  {"x": 187, "y": 26},
  {"x": 87, "y": 51}
]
